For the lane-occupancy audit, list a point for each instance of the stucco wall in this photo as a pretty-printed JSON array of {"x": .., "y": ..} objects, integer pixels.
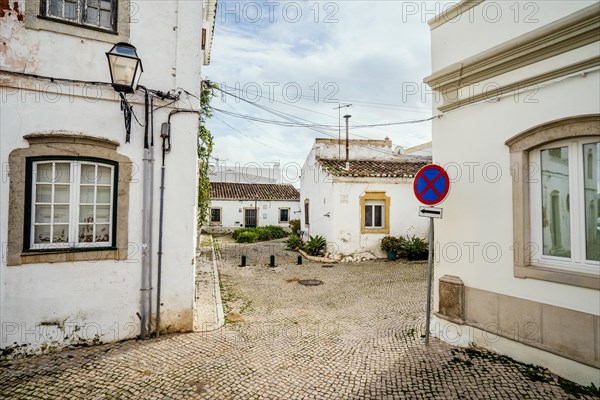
[
  {"x": 232, "y": 212},
  {"x": 56, "y": 303}
]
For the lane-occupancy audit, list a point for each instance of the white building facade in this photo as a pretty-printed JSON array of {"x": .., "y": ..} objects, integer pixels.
[
  {"x": 238, "y": 205},
  {"x": 80, "y": 238},
  {"x": 354, "y": 208},
  {"x": 518, "y": 249}
]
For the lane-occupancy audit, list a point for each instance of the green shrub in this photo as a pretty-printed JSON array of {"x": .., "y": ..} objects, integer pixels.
[
  {"x": 414, "y": 247},
  {"x": 247, "y": 237},
  {"x": 294, "y": 242},
  {"x": 261, "y": 233},
  {"x": 315, "y": 245},
  {"x": 295, "y": 227}
]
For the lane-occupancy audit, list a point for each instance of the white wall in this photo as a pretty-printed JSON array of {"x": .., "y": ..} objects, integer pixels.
[
  {"x": 480, "y": 201},
  {"x": 346, "y": 216},
  {"x": 495, "y": 22},
  {"x": 232, "y": 212},
  {"x": 102, "y": 297}
]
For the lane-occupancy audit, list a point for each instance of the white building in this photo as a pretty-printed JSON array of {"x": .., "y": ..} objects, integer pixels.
[
  {"x": 237, "y": 205},
  {"x": 518, "y": 259},
  {"x": 79, "y": 243},
  {"x": 354, "y": 208}
]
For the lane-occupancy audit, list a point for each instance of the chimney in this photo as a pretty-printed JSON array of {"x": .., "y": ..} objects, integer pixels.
[{"x": 347, "y": 117}]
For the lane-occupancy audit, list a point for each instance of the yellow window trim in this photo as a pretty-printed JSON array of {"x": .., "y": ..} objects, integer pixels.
[{"x": 381, "y": 196}]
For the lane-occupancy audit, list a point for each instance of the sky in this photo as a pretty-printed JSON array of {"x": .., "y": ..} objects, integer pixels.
[{"x": 304, "y": 58}]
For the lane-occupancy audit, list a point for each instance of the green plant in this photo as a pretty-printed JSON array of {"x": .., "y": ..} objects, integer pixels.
[
  {"x": 294, "y": 242},
  {"x": 295, "y": 227},
  {"x": 390, "y": 243},
  {"x": 315, "y": 245},
  {"x": 247, "y": 237},
  {"x": 261, "y": 234},
  {"x": 414, "y": 247},
  {"x": 205, "y": 147}
]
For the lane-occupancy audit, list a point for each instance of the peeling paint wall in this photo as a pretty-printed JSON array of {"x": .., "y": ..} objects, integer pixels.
[{"x": 49, "y": 305}]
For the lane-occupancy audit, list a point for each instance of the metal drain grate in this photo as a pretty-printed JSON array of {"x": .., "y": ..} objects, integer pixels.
[{"x": 310, "y": 282}]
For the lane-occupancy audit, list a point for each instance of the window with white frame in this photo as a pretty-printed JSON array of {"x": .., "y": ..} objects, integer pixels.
[
  {"x": 284, "y": 215},
  {"x": 565, "y": 204},
  {"x": 72, "y": 204},
  {"x": 96, "y": 13},
  {"x": 374, "y": 214}
]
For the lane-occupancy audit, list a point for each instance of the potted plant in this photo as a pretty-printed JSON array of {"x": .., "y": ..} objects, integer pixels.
[
  {"x": 415, "y": 248},
  {"x": 389, "y": 244}
]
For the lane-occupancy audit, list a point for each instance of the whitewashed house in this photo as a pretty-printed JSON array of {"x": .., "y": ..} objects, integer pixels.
[
  {"x": 237, "y": 205},
  {"x": 79, "y": 203},
  {"x": 354, "y": 208},
  {"x": 518, "y": 249}
]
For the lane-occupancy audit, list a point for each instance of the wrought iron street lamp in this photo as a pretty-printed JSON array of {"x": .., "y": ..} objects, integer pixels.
[{"x": 125, "y": 72}]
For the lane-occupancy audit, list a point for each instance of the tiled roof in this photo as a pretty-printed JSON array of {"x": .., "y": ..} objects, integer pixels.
[
  {"x": 250, "y": 191},
  {"x": 374, "y": 168}
]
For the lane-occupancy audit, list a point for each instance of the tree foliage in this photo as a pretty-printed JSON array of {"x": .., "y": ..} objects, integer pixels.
[{"x": 205, "y": 147}]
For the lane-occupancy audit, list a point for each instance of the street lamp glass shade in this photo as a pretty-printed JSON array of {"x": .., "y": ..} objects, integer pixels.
[{"x": 125, "y": 67}]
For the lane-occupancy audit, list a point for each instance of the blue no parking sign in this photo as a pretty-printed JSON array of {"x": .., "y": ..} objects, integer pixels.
[{"x": 431, "y": 185}]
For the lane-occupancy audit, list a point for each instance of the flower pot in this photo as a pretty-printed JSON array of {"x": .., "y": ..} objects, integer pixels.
[{"x": 391, "y": 255}]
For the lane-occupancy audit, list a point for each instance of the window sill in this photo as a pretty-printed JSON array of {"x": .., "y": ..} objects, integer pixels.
[
  {"x": 364, "y": 230},
  {"x": 590, "y": 281},
  {"x": 69, "y": 255}
]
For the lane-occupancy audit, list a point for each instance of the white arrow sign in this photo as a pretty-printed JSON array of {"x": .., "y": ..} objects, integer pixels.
[{"x": 430, "y": 212}]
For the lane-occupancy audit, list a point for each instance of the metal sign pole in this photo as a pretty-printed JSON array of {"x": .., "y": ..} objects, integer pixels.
[{"x": 429, "y": 278}]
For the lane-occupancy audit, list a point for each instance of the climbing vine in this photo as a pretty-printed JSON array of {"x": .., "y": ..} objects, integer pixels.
[{"x": 205, "y": 147}]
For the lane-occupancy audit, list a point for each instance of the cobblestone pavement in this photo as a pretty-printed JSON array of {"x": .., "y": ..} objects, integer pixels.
[{"x": 356, "y": 336}]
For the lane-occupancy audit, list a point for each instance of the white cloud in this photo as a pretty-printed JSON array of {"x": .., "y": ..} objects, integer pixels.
[{"x": 368, "y": 57}]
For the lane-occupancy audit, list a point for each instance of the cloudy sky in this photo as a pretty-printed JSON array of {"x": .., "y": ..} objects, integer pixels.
[{"x": 299, "y": 58}]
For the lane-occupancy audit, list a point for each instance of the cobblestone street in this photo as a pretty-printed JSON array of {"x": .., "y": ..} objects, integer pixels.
[{"x": 356, "y": 336}]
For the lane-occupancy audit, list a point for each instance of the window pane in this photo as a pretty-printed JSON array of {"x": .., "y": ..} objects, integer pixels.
[
  {"x": 105, "y": 19},
  {"x": 60, "y": 234},
  {"x": 556, "y": 220},
  {"x": 591, "y": 179},
  {"x": 102, "y": 233},
  {"x": 88, "y": 173},
  {"x": 44, "y": 172},
  {"x": 86, "y": 214},
  {"x": 378, "y": 216},
  {"x": 61, "y": 214},
  {"x": 55, "y": 8},
  {"x": 42, "y": 234},
  {"x": 103, "y": 195},
  {"x": 86, "y": 233},
  {"x": 61, "y": 194},
  {"x": 43, "y": 193},
  {"x": 102, "y": 213},
  {"x": 71, "y": 10},
  {"x": 43, "y": 214},
  {"x": 368, "y": 216},
  {"x": 63, "y": 173},
  {"x": 92, "y": 16},
  {"x": 86, "y": 195},
  {"x": 104, "y": 175}
]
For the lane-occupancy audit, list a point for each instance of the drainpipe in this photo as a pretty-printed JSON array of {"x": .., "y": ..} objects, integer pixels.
[{"x": 146, "y": 289}]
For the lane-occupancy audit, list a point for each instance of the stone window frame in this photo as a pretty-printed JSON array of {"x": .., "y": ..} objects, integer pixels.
[
  {"x": 519, "y": 147},
  {"x": 377, "y": 196},
  {"x": 307, "y": 212},
  {"x": 64, "y": 144},
  {"x": 35, "y": 20},
  {"x": 279, "y": 214},
  {"x": 220, "y": 221}
]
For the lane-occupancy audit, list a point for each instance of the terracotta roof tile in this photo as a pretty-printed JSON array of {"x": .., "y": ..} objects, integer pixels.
[
  {"x": 249, "y": 191},
  {"x": 374, "y": 168}
]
